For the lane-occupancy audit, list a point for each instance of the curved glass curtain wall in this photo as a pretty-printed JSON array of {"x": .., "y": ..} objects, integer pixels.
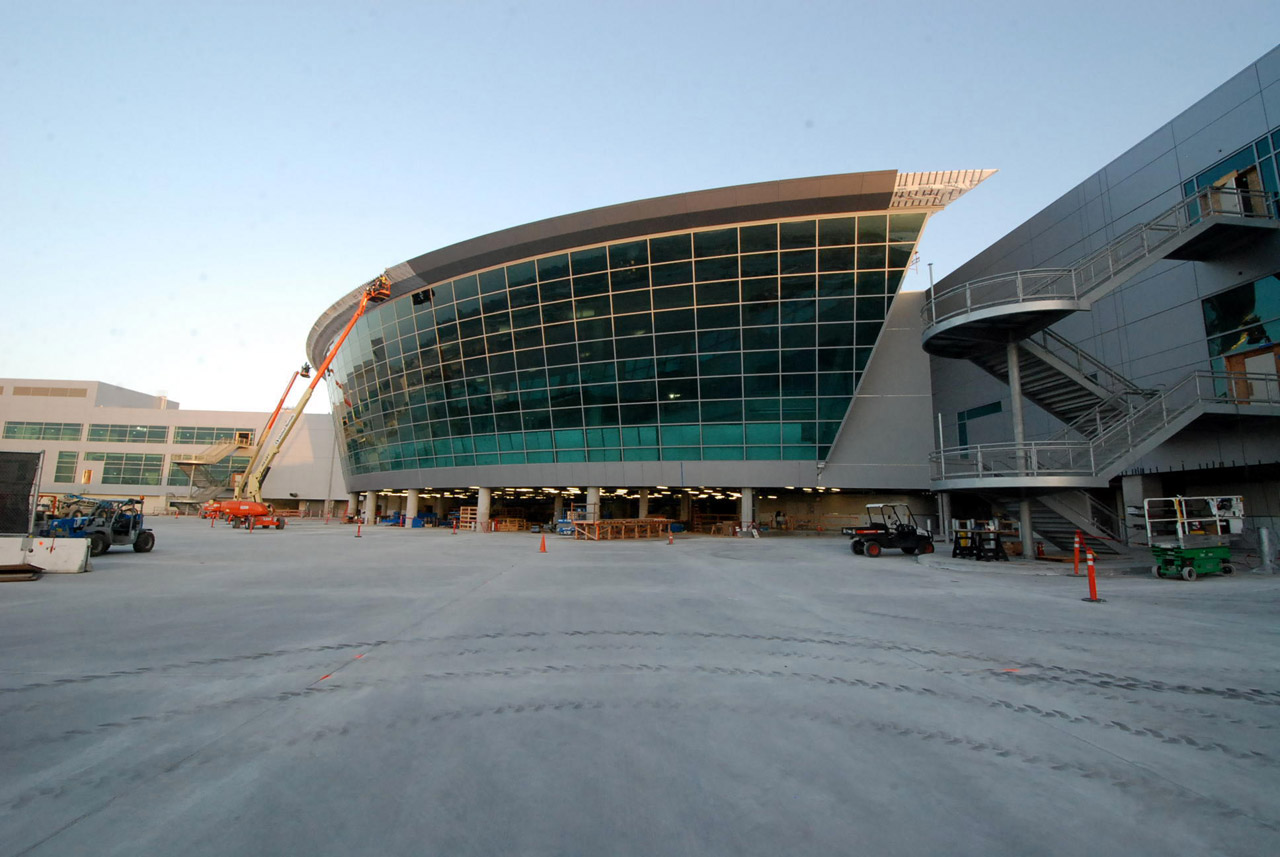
[{"x": 739, "y": 343}]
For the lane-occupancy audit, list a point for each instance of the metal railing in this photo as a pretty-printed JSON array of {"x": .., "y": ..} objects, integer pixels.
[
  {"x": 1088, "y": 365},
  {"x": 1103, "y": 267},
  {"x": 210, "y": 455},
  {"x": 1094, "y": 457}
]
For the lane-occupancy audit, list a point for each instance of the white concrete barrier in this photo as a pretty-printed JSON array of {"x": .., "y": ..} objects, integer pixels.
[{"x": 50, "y": 555}]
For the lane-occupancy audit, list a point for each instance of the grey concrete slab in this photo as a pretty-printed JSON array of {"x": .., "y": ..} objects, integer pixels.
[{"x": 417, "y": 692}]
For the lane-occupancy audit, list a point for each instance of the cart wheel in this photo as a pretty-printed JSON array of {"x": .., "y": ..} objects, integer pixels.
[
  {"x": 872, "y": 549},
  {"x": 1228, "y": 568},
  {"x": 1155, "y": 571},
  {"x": 853, "y": 546},
  {"x": 927, "y": 547},
  {"x": 908, "y": 549},
  {"x": 1189, "y": 573}
]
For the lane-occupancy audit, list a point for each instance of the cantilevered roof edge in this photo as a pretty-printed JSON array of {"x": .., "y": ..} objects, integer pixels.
[{"x": 878, "y": 190}]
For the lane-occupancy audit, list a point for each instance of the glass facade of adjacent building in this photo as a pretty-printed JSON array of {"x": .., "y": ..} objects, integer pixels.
[{"x": 734, "y": 343}]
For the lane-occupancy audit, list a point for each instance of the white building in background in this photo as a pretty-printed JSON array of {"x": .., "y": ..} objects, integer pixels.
[{"x": 104, "y": 441}]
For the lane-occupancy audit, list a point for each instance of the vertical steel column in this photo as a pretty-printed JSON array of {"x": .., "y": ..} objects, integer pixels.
[
  {"x": 1020, "y": 439},
  {"x": 644, "y": 503},
  {"x": 411, "y": 505}
]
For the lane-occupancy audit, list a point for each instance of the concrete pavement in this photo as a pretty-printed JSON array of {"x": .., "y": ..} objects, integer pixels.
[{"x": 417, "y": 692}]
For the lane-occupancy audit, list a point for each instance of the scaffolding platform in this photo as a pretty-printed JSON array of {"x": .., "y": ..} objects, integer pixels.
[{"x": 621, "y": 528}]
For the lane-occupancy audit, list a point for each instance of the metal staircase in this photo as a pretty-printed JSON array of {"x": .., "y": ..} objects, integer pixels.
[
  {"x": 210, "y": 455},
  {"x": 995, "y": 310},
  {"x": 1109, "y": 422},
  {"x": 197, "y": 466},
  {"x": 1067, "y": 382},
  {"x": 1093, "y": 462}
]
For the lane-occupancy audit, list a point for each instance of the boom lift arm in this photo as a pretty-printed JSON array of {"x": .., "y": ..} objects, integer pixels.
[
  {"x": 250, "y": 487},
  {"x": 265, "y": 434}
]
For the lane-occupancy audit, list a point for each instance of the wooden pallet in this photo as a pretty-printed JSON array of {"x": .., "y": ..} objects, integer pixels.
[{"x": 466, "y": 517}]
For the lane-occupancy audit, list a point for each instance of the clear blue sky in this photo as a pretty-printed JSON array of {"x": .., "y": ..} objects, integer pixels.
[{"x": 185, "y": 187}]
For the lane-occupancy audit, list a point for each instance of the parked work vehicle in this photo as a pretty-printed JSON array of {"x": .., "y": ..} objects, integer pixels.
[
  {"x": 890, "y": 525},
  {"x": 111, "y": 523},
  {"x": 251, "y": 514},
  {"x": 1191, "y": 536}
]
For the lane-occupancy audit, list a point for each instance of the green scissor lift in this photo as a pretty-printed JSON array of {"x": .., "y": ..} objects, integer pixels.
[{"x": 1191, "y": 536}]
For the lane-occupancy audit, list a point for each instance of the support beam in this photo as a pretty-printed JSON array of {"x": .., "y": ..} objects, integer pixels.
[
  {"x": 353, "y": 505},
  {"x": 1015, "y": 397},
  {"x": 747, "y": 509},
  {"x": 483, "y": 498},
  {"x": 1020, "y": 437},
  {"x": 411, "y": 504},
  {"x": 369, "y": 508},
  {"x": 593, "y": 504},
  {"x": 1025, "y": 530},
  {"x": 644, "y": 503}
]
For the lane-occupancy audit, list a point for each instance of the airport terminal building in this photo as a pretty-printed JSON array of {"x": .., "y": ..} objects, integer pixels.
[
  {"x": 730, "y": 353},
  {"x": 746, "y": 354}
]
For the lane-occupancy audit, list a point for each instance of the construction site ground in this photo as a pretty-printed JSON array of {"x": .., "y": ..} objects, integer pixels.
[{"x": 415, "y": 692}]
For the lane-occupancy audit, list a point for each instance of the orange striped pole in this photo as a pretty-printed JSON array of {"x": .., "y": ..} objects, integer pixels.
[
  {"x": 1077, "y": 562},
  {"x": 1093, "y": 581}
]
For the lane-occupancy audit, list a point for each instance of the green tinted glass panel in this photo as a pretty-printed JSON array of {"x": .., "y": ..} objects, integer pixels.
[
  {"x": 796, "y": 234},
  {"x": 905, "y": 227},
  {"x": 755, "y": 239},
  {"x": 718, "y": 242},
  {"x": 670, "y": 248}
]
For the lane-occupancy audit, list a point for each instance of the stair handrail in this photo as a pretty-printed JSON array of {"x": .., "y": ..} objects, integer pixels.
[
  {"x": 1091, "y": 423},
  {"x": 1066, "y": 457},
  {"x": 210, "y": 455},
  {"x": 1105, "y": 518},
  {"x": 1079, "y": 359},
  {"x": 1103, "y": 265}
]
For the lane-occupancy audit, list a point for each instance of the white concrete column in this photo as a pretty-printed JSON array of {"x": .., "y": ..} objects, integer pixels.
[
  {"x": 746, "y": 508},
  {"x": 557, "y": 509},
  {"x": 644, "y": 503},
  {"x": 1025, "y": 529},
  {"x": 411, "y": 505},
  {"x": 369, "y": 507},
  {"x": 353, "y": 504},
  {"x": 483, "y": 496},
  {"x": 685, "y": 511},
  {"x": 593, "y": 504},
  {"x": 944, "y": 515}
]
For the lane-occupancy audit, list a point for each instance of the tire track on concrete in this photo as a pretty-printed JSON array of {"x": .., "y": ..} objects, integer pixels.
[
  {"x": 1254, "y": 696},
  {"x": 1127, "y": 779},
  {"x": 184, "y": 665},
  {"x": 956, "y": 623},
  {"x": 1165, "y": 736}
]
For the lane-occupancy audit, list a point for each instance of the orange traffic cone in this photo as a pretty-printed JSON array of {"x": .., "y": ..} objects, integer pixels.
[
  {"x": 543, "y": 549},
  {"x": 671, "y": 537}
]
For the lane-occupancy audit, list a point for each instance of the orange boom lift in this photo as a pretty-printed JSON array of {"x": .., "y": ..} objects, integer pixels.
[{"x": 247, "y": 507}]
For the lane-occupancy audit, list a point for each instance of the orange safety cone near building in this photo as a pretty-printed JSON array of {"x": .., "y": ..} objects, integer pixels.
[
  {"x": 671, "y": 537},
  {"x": 543, "y": 548}
]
